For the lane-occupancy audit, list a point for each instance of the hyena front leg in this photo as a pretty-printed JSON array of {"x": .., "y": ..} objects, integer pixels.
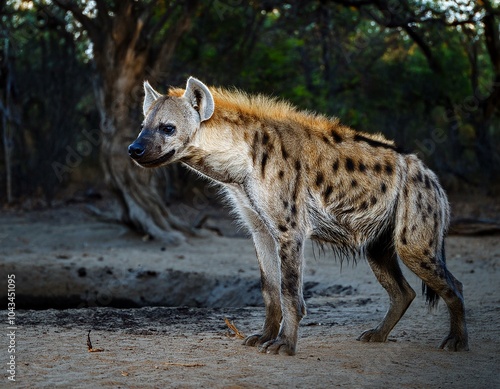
[
  {"x": 293, "y": 307},
  {"x": 267, "y": 255}
]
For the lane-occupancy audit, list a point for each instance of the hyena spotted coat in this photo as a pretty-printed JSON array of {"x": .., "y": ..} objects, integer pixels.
[{"x": 292, "y": 175}]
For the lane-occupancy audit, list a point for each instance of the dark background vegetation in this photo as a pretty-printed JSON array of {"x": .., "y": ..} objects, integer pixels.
[{"x": 425, "y": 73}]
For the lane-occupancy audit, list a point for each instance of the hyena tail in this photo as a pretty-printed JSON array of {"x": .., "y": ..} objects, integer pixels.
[{"x": 431, "y": 297}]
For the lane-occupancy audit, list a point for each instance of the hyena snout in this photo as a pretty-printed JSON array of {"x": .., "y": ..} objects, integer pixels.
[{"x": 136, "y": 150}]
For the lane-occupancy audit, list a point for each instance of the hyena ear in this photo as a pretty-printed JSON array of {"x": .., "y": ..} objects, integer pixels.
[
  {"x": 200, "y": 98},
  {"x": 150, "y": 96}
]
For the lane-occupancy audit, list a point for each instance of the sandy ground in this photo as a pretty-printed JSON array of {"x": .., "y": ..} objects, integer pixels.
[{"x": 100, "y": 266}]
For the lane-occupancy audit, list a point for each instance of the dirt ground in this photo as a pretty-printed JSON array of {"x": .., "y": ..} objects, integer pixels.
[{"x": 100, "y": 266}]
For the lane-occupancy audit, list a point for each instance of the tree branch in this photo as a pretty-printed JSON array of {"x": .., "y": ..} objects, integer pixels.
[
  {"x": 491, "y": 35},
  {"x": 88, "y": 24},
  {"x": 433, "y": 63},
  {"x": 166, "y": 50}
]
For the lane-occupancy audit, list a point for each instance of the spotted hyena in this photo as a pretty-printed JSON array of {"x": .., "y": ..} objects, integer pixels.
[{"x": 292, "y": 175}]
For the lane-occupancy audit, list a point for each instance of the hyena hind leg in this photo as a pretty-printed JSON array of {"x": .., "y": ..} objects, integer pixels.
[
  {"x": 384, "y": 264},
  {"x": 430, "y": 267}
]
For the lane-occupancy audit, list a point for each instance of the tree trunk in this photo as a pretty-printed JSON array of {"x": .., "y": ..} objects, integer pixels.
[{"x": 142, "y": 206}]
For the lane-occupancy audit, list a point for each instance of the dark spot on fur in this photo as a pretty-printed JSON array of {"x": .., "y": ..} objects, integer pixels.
[
  {"x": 293, "y": 224},
  {"x": 433, "y": 260},
  {"x": 349, "y": 164},
  {"x": 335, "y": 135},
  {"x": 403, "y": 236},
  {"x": 354, "y": 183},
  {"x": 327, "y": 192},
  {"x": 362, "y": 167},
  {"x": 285, "y": 204},
  {"x": 425, "y": 265},
  {"x": 364, "y": 206},
  {"x": 299, "y": 245},
  {"x": 254, "y": 146},
  {"x": 427, "y": 252},
  {"x": 325, "y": 139},
  {"x": 293, "y": 209},
  {"x": 265, "y": 138},
  {"x": 282, "y": 228},
  {"x": 427, "y": 182},
  {"x": 319, "y": 178},
  {"x": 265, "y": 156},
  {"x": 377, "y": 167},
  {"x": 431, "y": 243},
  {"x": 336, "y": 165},
  {"x": 296, "y": 186},
  {"x": 383, "y": 187},
  {"x": 284, "y": 154},
  {"x": 389, "y": 169},
  {"x": 297, "y": 165},
  {"x": 429, "y": 208},
  {"x": 373, "y": 200},
  {"x": 281, "y": 173}
]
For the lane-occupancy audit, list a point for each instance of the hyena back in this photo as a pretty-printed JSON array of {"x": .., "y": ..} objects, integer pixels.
[{"x": 292, "y": 175}]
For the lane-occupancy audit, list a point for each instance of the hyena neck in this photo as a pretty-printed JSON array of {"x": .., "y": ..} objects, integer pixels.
[{"x": 219, "y": 152}]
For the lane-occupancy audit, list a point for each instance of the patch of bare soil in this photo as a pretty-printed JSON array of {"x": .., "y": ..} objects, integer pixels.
[{"x": 103, "y": 266}]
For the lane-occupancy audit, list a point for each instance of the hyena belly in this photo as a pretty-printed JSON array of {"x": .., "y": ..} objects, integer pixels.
[{"x": 353, "y": 196}]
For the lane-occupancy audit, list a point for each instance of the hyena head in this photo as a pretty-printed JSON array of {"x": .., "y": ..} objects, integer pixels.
[{"x": 170, "y": 123}]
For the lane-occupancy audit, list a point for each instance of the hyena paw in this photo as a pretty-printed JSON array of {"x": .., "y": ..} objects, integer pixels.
[
  {"x": 278, "y": 346},
  {"x": 372, "y": 335},
  {"x": 256, "y": 340},
  {"x": 455, "y": 343}
]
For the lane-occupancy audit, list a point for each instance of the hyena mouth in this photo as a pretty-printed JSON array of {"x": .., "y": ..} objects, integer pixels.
[{"x": 158, "y": 161}]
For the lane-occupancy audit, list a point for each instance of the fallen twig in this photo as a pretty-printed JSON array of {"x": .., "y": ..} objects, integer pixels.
[
  {"x": 89, "y": 345},
  {"x": 233, "y": 328}
]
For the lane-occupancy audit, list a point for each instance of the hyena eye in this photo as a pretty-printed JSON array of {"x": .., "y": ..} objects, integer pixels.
[{"x": 168, "y": 129}]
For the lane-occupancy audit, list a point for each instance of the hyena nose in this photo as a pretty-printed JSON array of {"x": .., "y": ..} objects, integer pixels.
[{"x": 136, "y": 150}]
